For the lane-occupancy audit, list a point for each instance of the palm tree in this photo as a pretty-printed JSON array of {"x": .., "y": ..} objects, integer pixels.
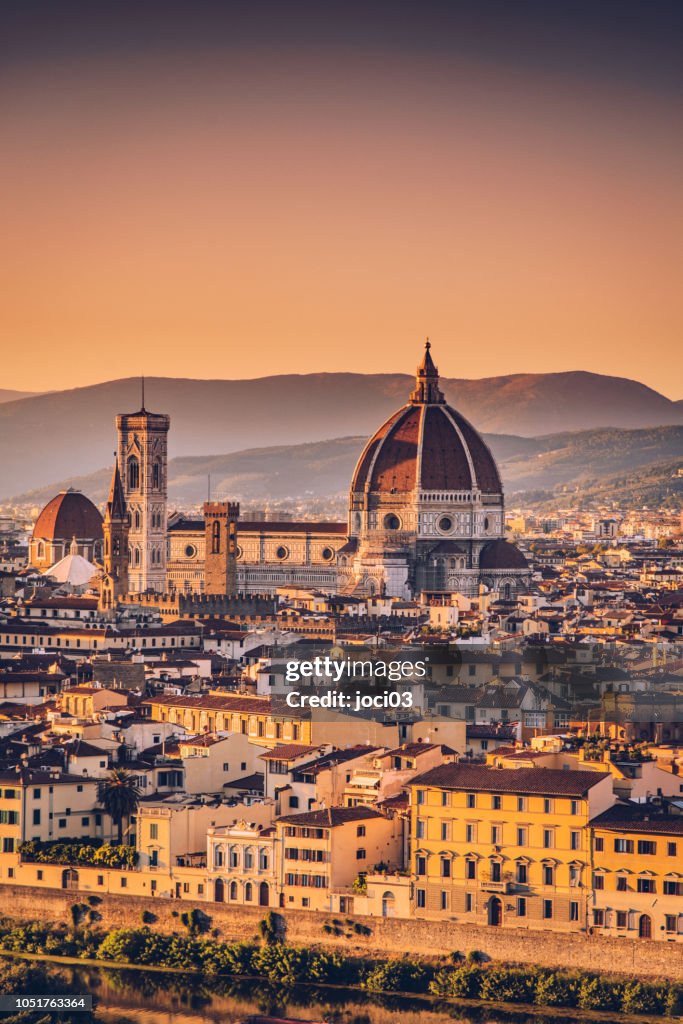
[{"x": 119, "y": 795}]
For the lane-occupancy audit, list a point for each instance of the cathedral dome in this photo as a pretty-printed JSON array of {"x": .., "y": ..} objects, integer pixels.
[
  {"x": 69, "y": 514},
  {"x": 426, "y": 445}
]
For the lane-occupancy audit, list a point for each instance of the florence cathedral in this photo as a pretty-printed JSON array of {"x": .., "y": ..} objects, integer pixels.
[{"x": 426, "y": 515}]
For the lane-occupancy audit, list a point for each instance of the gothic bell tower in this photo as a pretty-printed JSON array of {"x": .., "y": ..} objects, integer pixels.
[
  {"x": 114, "y": 580},
  {"x": 143, "y": 456}
]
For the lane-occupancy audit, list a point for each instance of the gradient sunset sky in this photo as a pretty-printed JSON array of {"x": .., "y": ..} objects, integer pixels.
[{"x": 207, "y": 189}]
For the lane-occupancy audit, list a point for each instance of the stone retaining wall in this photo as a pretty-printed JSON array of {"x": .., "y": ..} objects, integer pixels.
[{"x": 386, "y": 935}]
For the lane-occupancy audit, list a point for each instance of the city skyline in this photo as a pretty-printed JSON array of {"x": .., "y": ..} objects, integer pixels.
[{"x": 312, "y": 193}]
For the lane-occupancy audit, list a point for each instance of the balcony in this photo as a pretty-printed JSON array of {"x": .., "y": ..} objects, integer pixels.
[{"x": 502, "y": 887}]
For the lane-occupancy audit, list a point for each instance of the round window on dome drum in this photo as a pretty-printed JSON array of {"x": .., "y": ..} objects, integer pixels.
[
  {"x": 327, "y": 554},
  {"x": 190, "y": 551},
  {"x": 392, "y": 522},
  {"x": 281, "y": 552},
  {"x": 445, "y": 524}
]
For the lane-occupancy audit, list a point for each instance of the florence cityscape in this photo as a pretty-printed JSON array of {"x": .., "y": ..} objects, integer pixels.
[{"x": 341, "y": 513}]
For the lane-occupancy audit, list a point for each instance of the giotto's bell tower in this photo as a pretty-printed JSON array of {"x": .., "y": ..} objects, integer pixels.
[{"x": 143, "y": 458}]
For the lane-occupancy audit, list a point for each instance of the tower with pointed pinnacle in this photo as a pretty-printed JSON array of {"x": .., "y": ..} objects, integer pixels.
[{"x": 114, "y": 580}]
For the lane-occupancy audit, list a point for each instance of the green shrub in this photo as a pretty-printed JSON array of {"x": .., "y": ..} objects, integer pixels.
[
  {"x": 598, "y": 994},
  {"x": 638, "y": 997},
  {"x": 555, "y": 989},
  {"x": 508, "y": 985},
  {"x": 398, "y": 976},
  {"x": 459, "y": 983},
  {"x": 283, "y": 964},
  {"x": 271, "y": 928}
]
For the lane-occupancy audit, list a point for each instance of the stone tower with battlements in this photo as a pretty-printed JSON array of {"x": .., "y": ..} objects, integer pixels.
[
  {"x": 220, "y": 564},
  {"x": 143, "y": 457}
]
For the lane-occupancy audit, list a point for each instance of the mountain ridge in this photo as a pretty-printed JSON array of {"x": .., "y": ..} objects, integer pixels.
[
  {"x": 321, "y": 470},
  {"x": 51, "y": 435}
]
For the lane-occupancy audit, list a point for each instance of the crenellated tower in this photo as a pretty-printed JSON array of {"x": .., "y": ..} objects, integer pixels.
[{"x": 220, "y": 560}]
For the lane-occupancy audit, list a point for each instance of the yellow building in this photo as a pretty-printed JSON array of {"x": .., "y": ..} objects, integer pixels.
[
  {"x": 49, "y": 805},
  {"x": 321, "y": 853},
  {"x": 86, "y": 701},
  {"x": 505, "y": 846},
  {"x": 638, "y": 873},
  {"x": 265, "y": 720}
]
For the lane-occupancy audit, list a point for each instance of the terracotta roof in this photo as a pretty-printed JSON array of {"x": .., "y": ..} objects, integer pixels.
[
  {"x": 489, "y": 732},
  {"x": 335, "y": 757},
  {"x": 331, "y": 817},
  {"x": 68, "y": 515},
  {"x": 253, "y": 783},
  {"x": 476, "y": 778},
  {"x": 412, "y": 749},
  {"x": 214, "y": 702},
  {"x": 648, "y": 820},
  {"x": 288, "y": 752}
]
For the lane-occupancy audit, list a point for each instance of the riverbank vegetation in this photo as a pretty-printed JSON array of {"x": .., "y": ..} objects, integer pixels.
[{"x": 455, "y": 977}]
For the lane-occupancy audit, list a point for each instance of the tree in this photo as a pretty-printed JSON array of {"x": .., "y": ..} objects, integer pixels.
[{"x": 119, "y": 795}]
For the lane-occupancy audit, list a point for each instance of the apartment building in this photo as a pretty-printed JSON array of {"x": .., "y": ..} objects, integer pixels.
[
  {"x": 637, "y": 882},
  {"x": 321, "y": 853},
  {"x": 505, "y": 847}
]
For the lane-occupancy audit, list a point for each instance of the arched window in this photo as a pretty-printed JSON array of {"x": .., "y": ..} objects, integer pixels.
[
  {"x": 133, "y": 473},
  {"x": 136, "y": 556},
  {"x": 248, "y": 859},
  {"x": 218, "y": 857},
  {"x": 156, "y": 474},
  {"x": 216, "y": 538},
  {"x": 233, "y": 890},
  {"x": 116, "y": 546},
  {"x": 41, "y": 549},
  {"x": 137, "y": 519},
  {"x": 248, "y": 895}
]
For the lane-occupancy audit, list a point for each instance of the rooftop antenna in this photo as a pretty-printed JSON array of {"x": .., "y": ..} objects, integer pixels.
[
  {"x": 208, "y": 487},
  {"x": 143, "y": 394}
]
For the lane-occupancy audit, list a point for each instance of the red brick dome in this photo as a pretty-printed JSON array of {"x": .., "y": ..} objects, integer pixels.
[
  {"x": 426, "y": 445},
  {"x": 69, "y": 514}
]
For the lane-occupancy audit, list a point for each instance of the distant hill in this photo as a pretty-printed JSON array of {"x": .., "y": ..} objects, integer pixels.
[
  {"x": 56, "y": 435},
  {"x": 657, "y": 486},
  {"x": 7, "y": 395},
  {"x": 577, "y": 462}
]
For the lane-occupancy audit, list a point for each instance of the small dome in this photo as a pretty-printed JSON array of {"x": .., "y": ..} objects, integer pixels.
[
  {"x": 498, "y": 554},
  {"x": 426, "y": 445},
  {"x": 73, "y": 569},
  {"x": 68, "y": 515}
]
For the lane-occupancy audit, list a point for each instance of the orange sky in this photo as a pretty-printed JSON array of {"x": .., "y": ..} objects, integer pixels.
[{"x": 294, "y": 209}]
